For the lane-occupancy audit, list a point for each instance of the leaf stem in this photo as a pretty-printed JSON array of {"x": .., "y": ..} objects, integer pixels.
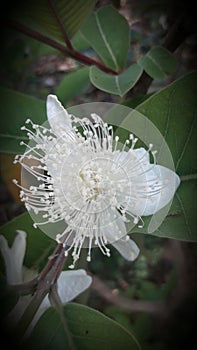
[
  {"x": 23, "y": 288},
  {"x": 69, "y": 51},
  {"x": 57, "y": 303},
  {"x": 66, "y": 38},
  {"x": 44, "y": 283}
]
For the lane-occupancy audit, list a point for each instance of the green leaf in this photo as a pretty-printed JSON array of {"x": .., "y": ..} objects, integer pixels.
[
  {"x": 43, "y": 16},
  {"x": 135, "y": 101},
  {"x": 88, "y": 329},
  {"x": 173, "y": 111},
  {"x": 115, "y": 84},
  {"x": 79, "y": 43},
  {"x": 108, "y": 34},
  {"x": 39, "y": 246},
  {"x": 15, "y": 108},
  {"x": 73, "y": 84},
  {"x": 158, "y": 63}
]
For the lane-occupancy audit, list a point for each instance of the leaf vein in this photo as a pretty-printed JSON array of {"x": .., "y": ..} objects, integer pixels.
[
  {"x": 184, "y": 214},
  {"x": 106, "y": 42},
  {"x": 117, "y": 84},
  {"x": 186, "y": 142},
  {"x": 16, "y": 137}
]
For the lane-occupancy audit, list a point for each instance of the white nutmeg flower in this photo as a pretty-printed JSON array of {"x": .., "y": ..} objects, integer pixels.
[{"x": 80, "y": 177}]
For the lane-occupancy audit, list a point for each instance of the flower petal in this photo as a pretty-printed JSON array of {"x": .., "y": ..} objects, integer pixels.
[
  {"x": 58, "y": 117},
  {"x": 170, "y": 182},
  {"x": 115, "y": 228},
  {"x": 153, "y": 190},
  {"x": 127, "y": 248},
  {"x": 72, "y": 283},
  {"x": 13, "y": 257}
]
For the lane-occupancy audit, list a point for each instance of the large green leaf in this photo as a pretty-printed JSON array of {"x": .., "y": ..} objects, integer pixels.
[
  {"x": 44, "y": 15},
  {"x": 15, "y": 108},
  {"x": 158, "y": 63},
  {"x": 173, "y": 110},
  {"x": 115, "y": 84},
  {"x": 88, "y": 329},
  {"x": 72, "y": 85},
  {"x": 108, "y": 34},
  {"x": 39, "y": 246}
]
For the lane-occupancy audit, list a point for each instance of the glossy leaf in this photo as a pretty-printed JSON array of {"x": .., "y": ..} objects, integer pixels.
[
  {"x": 158, "y": 63},
  {"x": 108, "y": 34},
  {"x": 73, "y": 84},
  {"x": 173, "y": 111},
  {"x": 43, "y": 16},
  {"x": 87, "y": 328},
  {"x": 15, "y": 108},
  {"x": 115, "y": 84}
]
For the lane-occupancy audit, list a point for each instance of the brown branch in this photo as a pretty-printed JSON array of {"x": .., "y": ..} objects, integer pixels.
[
  {"x": 56, "y": 45},
  {"x": 157, "y": 307},
  {"x": 46, "y": 279}
]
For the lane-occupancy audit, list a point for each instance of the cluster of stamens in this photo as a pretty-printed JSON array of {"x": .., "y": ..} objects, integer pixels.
[{"x": 83, "y": 180}]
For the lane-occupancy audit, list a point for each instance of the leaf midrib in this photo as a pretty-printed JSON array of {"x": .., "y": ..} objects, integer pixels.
[{"x": 106, "y": 42}]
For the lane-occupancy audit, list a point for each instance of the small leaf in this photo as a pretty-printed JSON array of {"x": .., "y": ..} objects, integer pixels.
[
  {"x": 87, "y": 328},
  {"x": 73, "y": 84},
  {"x": 115, "y": 84},
  {"x": 158, "y": 63},
  {"x": 108, "y": 34}
]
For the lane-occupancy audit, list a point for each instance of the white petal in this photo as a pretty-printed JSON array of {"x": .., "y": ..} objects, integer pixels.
[
  {"x": 115, "y": 228},
  {"x": 127, "y": 248},
  {"x": 13, "y": 257},
  {"x": 146, "y": 201},
  {"x": 171, "y": 181},
  {"x": 58, "y": 117},
  {"x": 72, "y": 283}
]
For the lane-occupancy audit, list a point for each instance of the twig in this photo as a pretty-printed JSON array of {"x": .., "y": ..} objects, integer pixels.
[
  {"x": 71, "y": 52},
  {"x": 66, "y": 38},
  {"x": 157, "y": 307},
  {"x": 23, "y": 288},
  {"x": 45, "y": 281}
]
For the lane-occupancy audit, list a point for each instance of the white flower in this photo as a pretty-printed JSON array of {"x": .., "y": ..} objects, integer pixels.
[
  {"x": 81, "y": 179},
  {"x": 70, "y": 283}
]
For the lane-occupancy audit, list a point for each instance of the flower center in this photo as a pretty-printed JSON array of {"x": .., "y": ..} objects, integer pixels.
[{"x": 92, "y": 183}]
